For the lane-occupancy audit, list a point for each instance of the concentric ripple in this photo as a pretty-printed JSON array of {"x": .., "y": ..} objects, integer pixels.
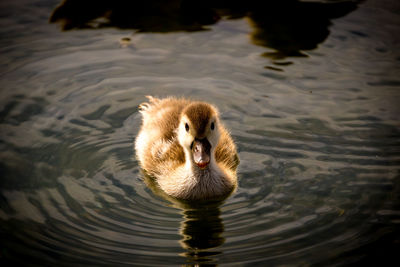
[{"x": 318, "y": 140}]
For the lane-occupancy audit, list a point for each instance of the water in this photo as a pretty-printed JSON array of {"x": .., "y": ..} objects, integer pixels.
[{"x": 311, "y": 98}]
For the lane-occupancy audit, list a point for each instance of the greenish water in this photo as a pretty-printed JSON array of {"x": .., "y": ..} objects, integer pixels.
[{"x": 309, "y": 90}]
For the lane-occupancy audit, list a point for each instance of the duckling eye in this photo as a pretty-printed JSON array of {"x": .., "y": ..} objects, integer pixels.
[
  {"x": 212, "y": 126},
  {"x": 187, "y": 127}
]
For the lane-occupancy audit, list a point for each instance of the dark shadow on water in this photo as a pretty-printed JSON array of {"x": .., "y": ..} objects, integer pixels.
[
  {"x": 289, "y": 27},
  {"x": 201, "y": 229},
  {"x": 144, "y": 16}
]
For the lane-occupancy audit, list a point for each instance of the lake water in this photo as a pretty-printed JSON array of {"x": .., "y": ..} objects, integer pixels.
[{"x": 309, "y": 90}]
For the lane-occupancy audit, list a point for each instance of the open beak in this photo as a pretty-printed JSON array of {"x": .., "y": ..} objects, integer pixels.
[{"x": 201, "y": 152}]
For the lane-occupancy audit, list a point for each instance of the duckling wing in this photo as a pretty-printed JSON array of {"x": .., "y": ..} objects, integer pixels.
[
  {"x": 157, "y": 144},
  {"x": 225, "y": 153},
  {"x": 173, "y": 152},
  {"x": 162, "y": 115}
]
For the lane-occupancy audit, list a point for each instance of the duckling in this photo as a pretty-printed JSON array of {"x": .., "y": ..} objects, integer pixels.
[{"x": 184, "y": 147}]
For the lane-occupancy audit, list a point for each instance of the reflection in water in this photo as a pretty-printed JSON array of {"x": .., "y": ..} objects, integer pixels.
[
  {"x": 287, "y": 26},
  {"x": 201, "y": 228}
]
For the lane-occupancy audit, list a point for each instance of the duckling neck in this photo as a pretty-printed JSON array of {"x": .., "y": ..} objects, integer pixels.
[{"x": 208, "y": 182}]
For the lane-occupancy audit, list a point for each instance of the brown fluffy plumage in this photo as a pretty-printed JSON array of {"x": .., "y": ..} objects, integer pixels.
[{"x": 164, "y": 148}]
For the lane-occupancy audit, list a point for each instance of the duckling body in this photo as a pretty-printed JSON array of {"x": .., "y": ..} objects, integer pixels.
[{"x": 183, "y": 145}]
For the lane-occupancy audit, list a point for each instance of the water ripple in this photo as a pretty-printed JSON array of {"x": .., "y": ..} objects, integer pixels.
[{"x": 318, "y": 143}]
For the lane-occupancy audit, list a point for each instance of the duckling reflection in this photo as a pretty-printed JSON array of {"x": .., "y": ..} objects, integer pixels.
[
  {"x": 287, "y": 26},
  {"x": 201, "y": 228}
]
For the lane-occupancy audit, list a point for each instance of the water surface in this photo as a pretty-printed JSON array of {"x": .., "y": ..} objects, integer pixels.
[{"x": 310, "y": 97}]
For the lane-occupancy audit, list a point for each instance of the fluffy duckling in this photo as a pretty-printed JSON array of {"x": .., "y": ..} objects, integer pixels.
[{"x": 183, "y": 145}]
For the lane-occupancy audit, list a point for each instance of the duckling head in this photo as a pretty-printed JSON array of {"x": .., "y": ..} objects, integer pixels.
[{"x": 198, "y": 133}]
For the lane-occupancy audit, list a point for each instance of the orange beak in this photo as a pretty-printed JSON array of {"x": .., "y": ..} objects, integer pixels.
[{"x": 201, "y": 152}]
